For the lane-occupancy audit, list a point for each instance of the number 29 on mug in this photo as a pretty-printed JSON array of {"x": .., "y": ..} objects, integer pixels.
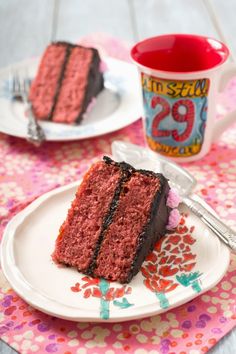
[{"x": 175, "y": 115}]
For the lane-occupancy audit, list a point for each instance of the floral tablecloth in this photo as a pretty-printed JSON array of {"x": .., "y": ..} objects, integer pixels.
[{"x": 26, "y": 172}]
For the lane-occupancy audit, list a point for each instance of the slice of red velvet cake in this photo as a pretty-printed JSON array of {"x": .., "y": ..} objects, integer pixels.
[
  {"x": 117, "y": 216},
  {"x": 68, "y": 78}
]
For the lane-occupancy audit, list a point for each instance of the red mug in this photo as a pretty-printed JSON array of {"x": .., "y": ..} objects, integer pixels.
[{"x": 181, "y": 75}]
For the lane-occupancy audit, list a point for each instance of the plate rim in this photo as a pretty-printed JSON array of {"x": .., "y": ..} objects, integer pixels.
[
  {"x": 102, "y": 129},
  {"x": 7, "y": 238}
]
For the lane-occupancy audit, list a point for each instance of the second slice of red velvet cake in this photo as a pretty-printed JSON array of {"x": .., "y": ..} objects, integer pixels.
[
  {"x": 68, "y": 78},
  {"x": 117, "y": 216}
]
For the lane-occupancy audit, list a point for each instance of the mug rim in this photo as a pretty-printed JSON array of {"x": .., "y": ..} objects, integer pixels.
[{"x": 133, "y": 52}]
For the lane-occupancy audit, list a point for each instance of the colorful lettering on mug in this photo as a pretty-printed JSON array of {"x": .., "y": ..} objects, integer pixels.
[
  {"x": 175, "y": 113},
  {"x": 175, "y": 89},
  {"x": 175, "y": 151}
]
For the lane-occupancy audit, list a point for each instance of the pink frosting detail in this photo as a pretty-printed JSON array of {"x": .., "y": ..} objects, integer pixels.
[
  {"x": 174, "y": 218},
  {"x": 91, "y": 104},
  {"x": 103, "y": 66},
  {"x": 173, "y": 199}
]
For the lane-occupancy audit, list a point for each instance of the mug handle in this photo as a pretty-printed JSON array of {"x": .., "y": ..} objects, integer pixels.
[{"x": 228, "y": 119}]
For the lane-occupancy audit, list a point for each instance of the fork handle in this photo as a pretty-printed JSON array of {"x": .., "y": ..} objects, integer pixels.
[
  {"x": 223, "y": 232},
  {"x": 34, "y": 131},
  {"x": 31, "y": 116}
]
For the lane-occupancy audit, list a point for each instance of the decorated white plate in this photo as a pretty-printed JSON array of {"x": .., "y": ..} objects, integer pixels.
[
  {"x": 117, "y": 106},
  {"x": 183, "y": 265}
]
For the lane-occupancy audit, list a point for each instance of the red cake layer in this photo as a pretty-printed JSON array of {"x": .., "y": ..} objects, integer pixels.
[
  {"x": 74, "y": 84},
  {"x": 79, "y": 234},
  {"x": 122, "y": 237},
  {"x": 44, "y": 86}
]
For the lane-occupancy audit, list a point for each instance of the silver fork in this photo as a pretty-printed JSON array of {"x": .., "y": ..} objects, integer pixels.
[{"x": 20, "y": 90}]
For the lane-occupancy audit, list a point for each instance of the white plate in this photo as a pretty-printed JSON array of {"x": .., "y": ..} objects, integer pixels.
[
  {"x": 28, "y": 243},
  {"x": 117, "y": 106}
]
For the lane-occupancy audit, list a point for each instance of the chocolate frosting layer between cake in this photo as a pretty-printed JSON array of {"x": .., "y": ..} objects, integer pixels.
[{"x": 125, "y": 175}]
